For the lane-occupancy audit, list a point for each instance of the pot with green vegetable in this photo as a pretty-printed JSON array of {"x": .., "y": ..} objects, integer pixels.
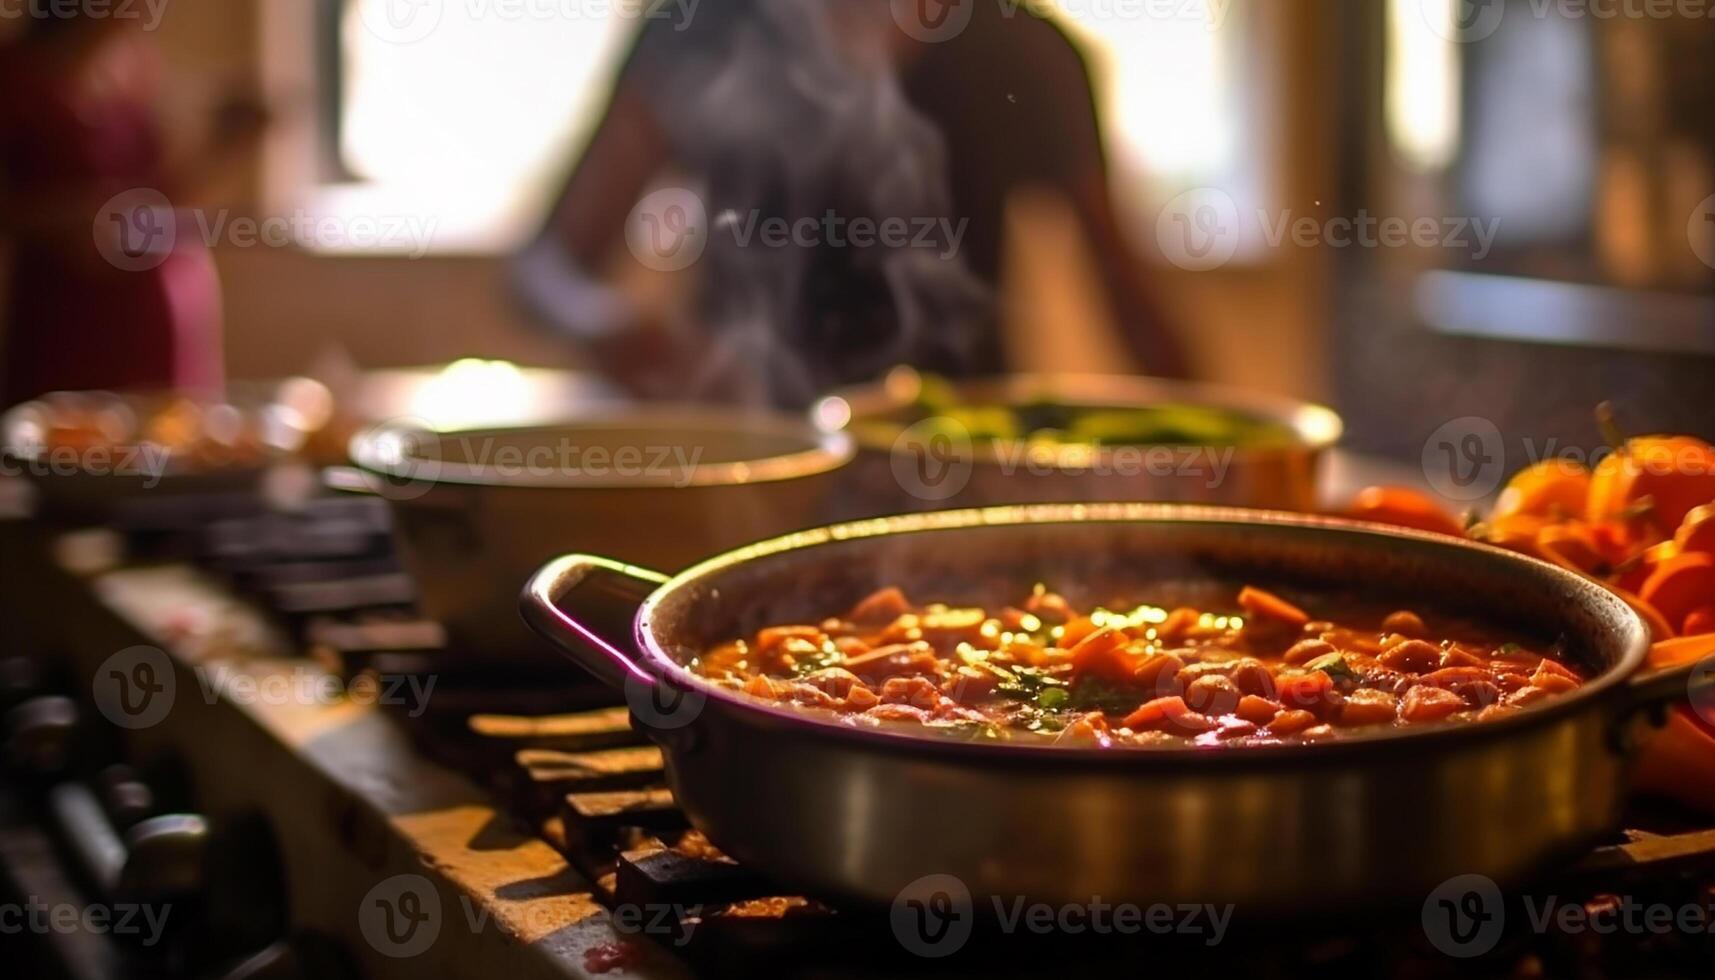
[{"x": 926, "y": 443}]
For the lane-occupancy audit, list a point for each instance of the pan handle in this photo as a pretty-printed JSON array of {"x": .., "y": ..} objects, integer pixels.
[
  {"x": 1692, "y": 681},
  {"x": 607, "y": 596}
]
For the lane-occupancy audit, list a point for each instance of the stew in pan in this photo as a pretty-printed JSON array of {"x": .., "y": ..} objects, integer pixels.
[{"x": 1261, "y": 670}]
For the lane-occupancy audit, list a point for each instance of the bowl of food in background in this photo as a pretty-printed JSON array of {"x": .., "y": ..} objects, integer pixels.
[
  {"x": 90, "y": 454},
  {"x": 926, "y": 443},
  {"x": 477, "y": 510}
]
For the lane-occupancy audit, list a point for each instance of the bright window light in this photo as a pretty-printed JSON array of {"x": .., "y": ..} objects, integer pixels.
[
  {"x": 469, "y": 123},
  {"x": 1423, "y": 82}
]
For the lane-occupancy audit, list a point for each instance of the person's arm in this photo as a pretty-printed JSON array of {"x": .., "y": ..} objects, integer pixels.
[
  {"x": 1060, "y": 114},
  {"x": 558, "y": 276},
  {"x": 627, "y": 150},
  {"x": 1144, "y": 327}
]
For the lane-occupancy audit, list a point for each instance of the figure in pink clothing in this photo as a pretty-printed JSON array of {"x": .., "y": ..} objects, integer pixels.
[{"x": 109, "y": 287}]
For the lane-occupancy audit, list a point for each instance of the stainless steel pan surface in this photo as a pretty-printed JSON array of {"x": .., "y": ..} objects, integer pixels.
[{"x": 861, "y": 813}]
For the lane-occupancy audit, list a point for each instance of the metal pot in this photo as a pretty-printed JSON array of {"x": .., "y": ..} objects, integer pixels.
[
  {"x": 475, "y": 512},
  {"x": 905, "y": 468},
  {"x": 861, "y": 813}
]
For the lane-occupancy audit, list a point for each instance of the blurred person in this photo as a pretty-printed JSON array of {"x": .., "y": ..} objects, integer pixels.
[
  {"x": 800, "y": 109},
  {"x": 109, "y": 287}
]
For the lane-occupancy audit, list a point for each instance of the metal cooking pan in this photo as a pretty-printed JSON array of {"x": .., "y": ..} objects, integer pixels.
[
  {"x": 901, "y": 468},
  {"x": 859, "y": 813},
  {"x": 476, "y": 511}
]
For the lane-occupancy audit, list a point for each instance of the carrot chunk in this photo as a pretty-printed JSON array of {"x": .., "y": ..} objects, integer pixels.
[{"x": 1267, "y": 605}]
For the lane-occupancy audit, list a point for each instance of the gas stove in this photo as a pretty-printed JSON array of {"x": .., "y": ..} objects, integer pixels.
[{"x": 244, "y": 720}]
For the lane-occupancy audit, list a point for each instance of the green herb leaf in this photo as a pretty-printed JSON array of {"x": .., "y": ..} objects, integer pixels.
[{"x": 1332, "y": 664}]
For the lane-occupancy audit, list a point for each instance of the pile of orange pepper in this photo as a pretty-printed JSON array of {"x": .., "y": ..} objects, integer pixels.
[{"x": 1642, "y": 522}]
